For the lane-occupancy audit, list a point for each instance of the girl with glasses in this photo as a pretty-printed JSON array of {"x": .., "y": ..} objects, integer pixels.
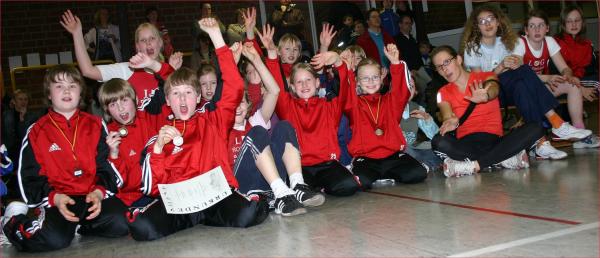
[
  {"x": 377, "y": 143},
  {"x": 479, "y": 142}
]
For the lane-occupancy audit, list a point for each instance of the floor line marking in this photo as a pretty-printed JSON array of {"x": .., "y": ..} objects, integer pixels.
[
  {"x": 528, "y": 240},
  {"x": 562, "y": 221}
]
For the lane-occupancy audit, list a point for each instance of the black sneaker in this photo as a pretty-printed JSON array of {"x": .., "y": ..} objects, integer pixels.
[
  {"x": 12, "y": 232},
  {"x": 308, "y": 197},
  {"x": 269, "y": 197},
  {"x": 289, "y": 206}
]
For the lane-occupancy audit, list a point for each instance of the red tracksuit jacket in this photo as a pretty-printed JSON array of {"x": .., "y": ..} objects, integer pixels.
[
  {"x": 205, "y": 138},
  {"x": 316, "y": 121},
  {"x": 364, "y": 142},
  {"x": 49, "y": 166}
]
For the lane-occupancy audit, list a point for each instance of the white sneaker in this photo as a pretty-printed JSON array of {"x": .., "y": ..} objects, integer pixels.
[
  {"x": 518, "y": 161},
  {"x": 591, "y": 141},
  {"x": 13, "y": 209},
  {"x": 456, "y": 168},
  {"x": 568, "y": 132},
  {"x": 547, "y": 151}
]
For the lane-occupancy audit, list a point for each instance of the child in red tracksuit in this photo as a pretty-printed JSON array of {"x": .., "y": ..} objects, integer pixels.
[
  {"x": 316, "y": 121},
  {"x": 377, "y": 143},
  {"x": 65, "y": 170},
  {"x": 201, "y": 148},
  {"x": 264, "y": 161},
  {"x": 128, "y": 132}
]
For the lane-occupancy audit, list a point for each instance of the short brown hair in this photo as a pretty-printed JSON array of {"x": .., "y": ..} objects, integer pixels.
[
  {"x": 182, "y": 76},
  {"x": 62, "y": 72},
  {"x": 113, "y": 90}
]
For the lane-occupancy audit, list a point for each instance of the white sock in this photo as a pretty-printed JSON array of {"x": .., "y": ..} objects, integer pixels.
[
  {"x": 296, "y": 178},
  {"x": 280, "y": 189}
]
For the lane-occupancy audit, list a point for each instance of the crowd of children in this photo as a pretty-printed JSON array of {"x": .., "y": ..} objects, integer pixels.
[{"x": 284, "y": 133}]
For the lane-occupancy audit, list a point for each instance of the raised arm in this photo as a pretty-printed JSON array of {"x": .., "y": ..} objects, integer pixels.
[
  {"x": 401, "y": 85},
  {"x": 326, "y": 37},
  {"x": 272, "y": 89},
  {"x": 72, "y": 24},
  {"x": 233, "y": 84}
]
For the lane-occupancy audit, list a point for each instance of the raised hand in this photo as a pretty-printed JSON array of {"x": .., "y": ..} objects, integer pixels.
[
  {"x": 326, "y": 58},
  {"x": 392, "y": 53},
  {"x": 94, "y": 197},
  {"x": 326, "y": 36},
  {"x": 266, "y": 37},
  {"x": 478, "y": 92},
  {"x": 250, "y": 52},
  {"x": 176, "y": 60},
  {"x": 71, "y": 22},
  {"x": 141, "y": 60},
  {"x": 209, "y": 25},
  {"x": 249, "y": 22},
  {"x": 348, "y": 57},
  {"x": 236, "y": 49}
]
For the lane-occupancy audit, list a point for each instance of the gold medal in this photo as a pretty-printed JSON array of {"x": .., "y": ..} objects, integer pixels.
[
  {"x": 123, "y": 131},
  {"x": 378, "y": 132}
]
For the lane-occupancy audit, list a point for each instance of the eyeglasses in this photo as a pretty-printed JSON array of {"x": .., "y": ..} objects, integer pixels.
[
  {"x": 532, "y": 26},
  {"x": 374, "y": 78},
  {"x": 444, "y": 64},
  {"x": 487, "y": 20}
]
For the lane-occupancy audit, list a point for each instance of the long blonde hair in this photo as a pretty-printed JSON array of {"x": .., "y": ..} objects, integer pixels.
[{"x": 471, "y": 39}]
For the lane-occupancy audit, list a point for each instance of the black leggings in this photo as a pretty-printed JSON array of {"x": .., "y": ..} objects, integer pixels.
[
  {"x": 332, "y": 177},
  {"x": 399, "y": 166},
  {"x": 487, "y": 149},
  {"x": 233, "y": 211},
  {"x": 55, "y": 232}
]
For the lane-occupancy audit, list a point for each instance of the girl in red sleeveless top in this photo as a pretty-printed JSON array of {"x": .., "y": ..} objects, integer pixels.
[{"x": 537, "y": 49}]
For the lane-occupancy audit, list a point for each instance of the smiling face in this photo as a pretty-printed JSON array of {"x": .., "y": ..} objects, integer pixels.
[
  {"x": 208, "y": 85},
  {"x": 183, "y": 100},
  {"x": 64, "y": 94},
  {"x": 304, "y": 83},
  {"x": 241, "y": 112},
  {"x": 536, "y": 29},
  {"x": 148, "y": 41},
  {"x": 488, "y": 24},
  {"x": 122, "y": 110},
  {"x": 369, "y": 78}
]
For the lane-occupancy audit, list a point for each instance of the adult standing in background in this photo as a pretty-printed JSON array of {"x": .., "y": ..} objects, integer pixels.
[
  {"x": 409, "y": 50},
  {"x": 389, "y": 19},
  {"x": 153, "y": 18},
  {"x": 375, "y": 39},
  {"x": 287, "y": 19},
  {"x": 103, "y": 41},
  {"x": 205, "y": 12}
]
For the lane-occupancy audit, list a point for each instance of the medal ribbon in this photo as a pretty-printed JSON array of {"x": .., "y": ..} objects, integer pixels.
[
  {"x": 375, "y": 117},
  {"x": 72, "y": 144}
]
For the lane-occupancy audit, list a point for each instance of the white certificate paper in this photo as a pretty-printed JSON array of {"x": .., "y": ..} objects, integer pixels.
[{"x": 195, "y": 194}]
